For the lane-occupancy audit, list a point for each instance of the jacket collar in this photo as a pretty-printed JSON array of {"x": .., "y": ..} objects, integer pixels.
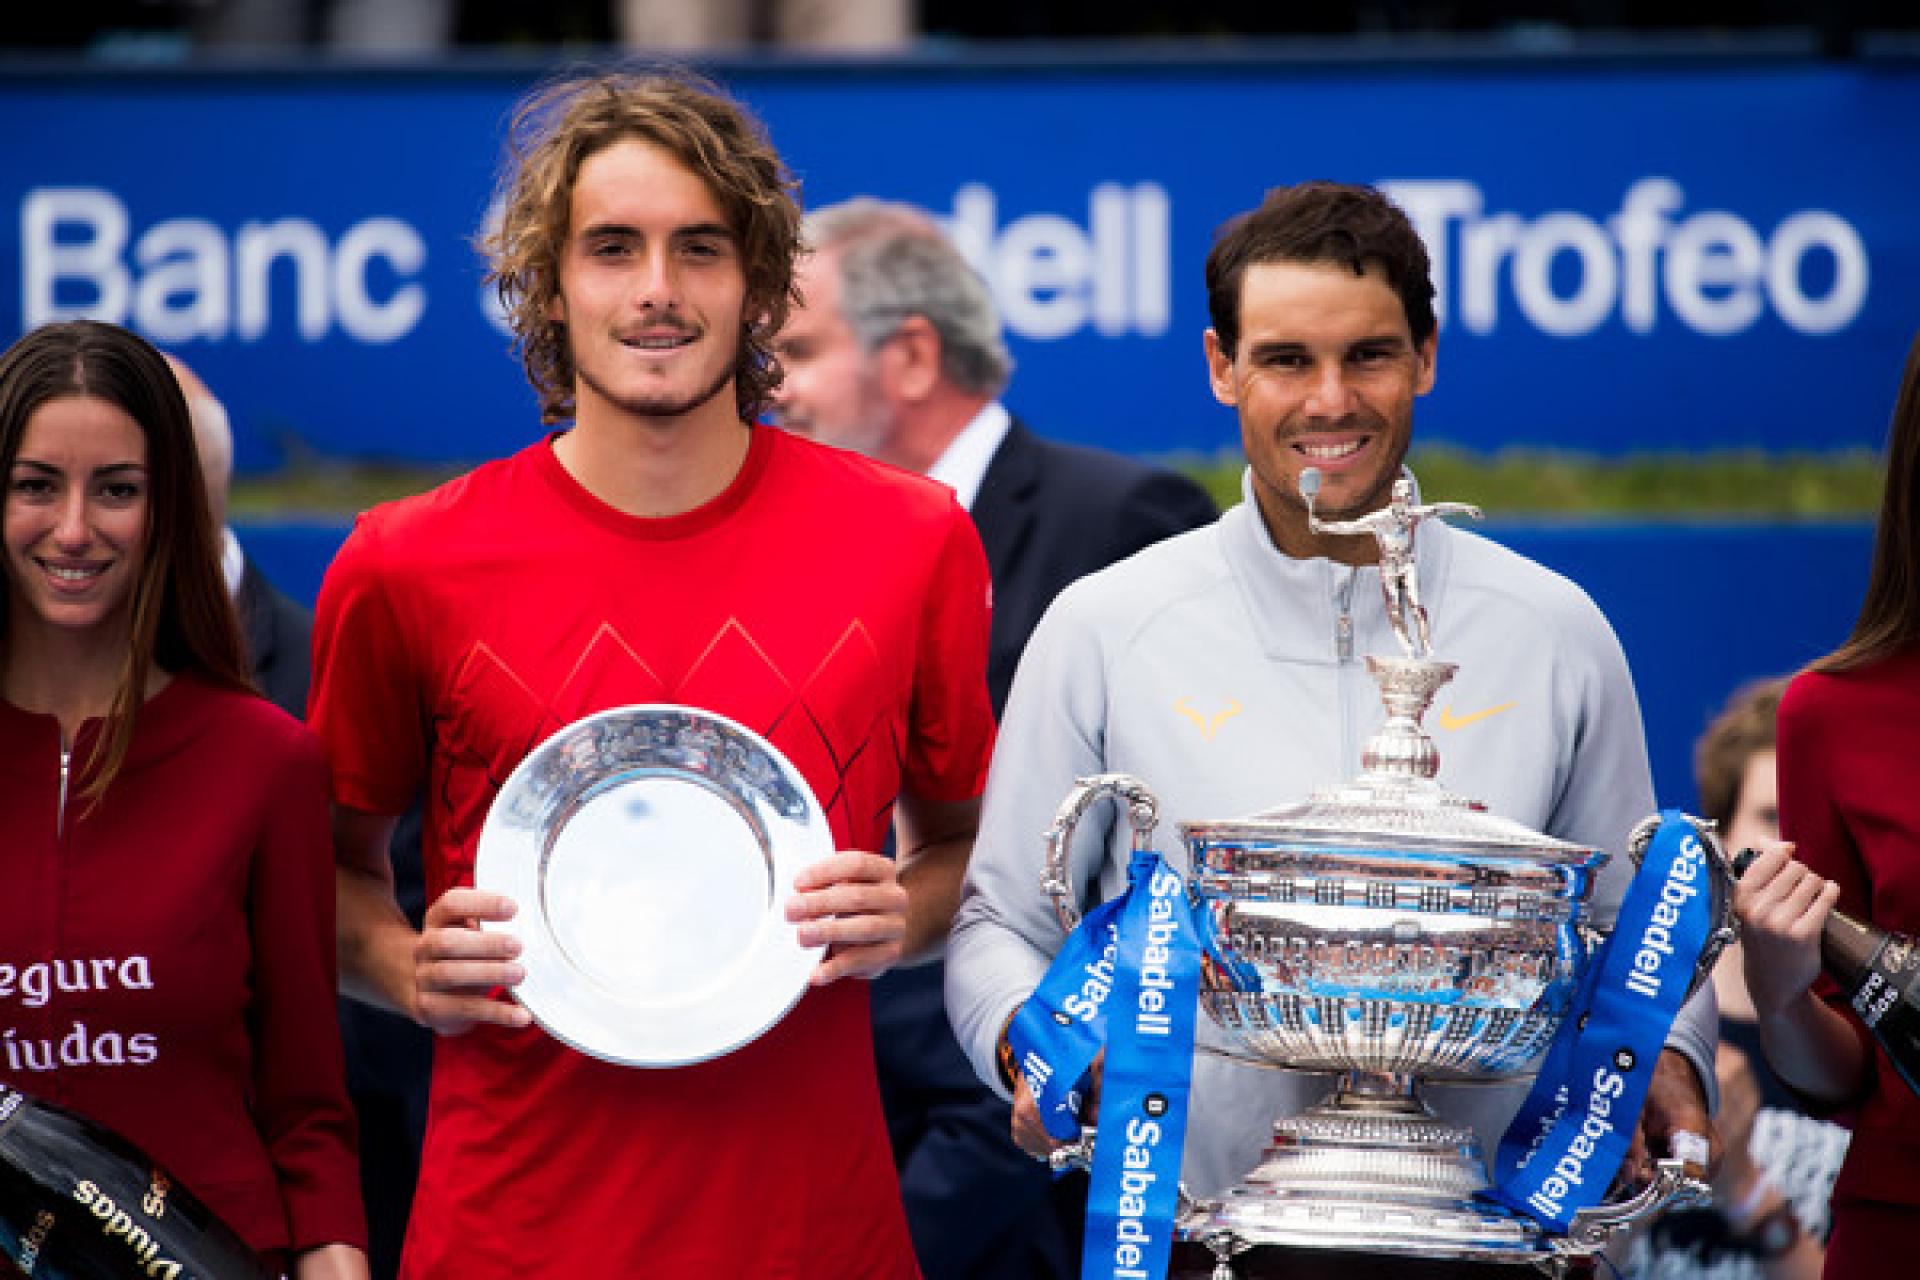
[{"x": 1295, "y": 604}]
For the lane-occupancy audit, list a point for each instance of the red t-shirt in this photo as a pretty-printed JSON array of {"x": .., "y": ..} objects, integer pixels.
[
  {"x": 1849, "y": 746},
  {"x": 837, "y": 607},
  {"x": 166, "y": 963}
]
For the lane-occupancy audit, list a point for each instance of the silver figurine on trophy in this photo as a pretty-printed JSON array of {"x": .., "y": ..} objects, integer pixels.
[
  {"x": 1387, "y": 932},
  {"x": 1392, "y": 526}
]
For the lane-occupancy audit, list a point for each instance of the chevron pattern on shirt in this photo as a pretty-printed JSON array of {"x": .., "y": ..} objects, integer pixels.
[{"x": 820, "y": 712}]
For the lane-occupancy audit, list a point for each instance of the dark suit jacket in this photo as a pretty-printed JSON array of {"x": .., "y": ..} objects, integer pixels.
[
  {"x": 979, "y": 1209},
  {"x": 1051, "y": 513},
  {"x": 279, "y": 636}
]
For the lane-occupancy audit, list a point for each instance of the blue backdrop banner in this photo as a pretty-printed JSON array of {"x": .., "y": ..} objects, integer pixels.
[{"x": 1620, "y": 266}]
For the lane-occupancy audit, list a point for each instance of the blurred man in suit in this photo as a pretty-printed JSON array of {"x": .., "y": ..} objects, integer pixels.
[
  {"x": 278, "y": 630},
  {"x": 895, "y": 351}
]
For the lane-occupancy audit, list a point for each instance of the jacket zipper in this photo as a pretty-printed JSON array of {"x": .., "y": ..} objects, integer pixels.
[
  {"x": 1343, "y": 653},
  {"x": 60, "y": 814}
]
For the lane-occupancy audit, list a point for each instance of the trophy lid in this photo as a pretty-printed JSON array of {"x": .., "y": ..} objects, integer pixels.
[{"x": 1377, "y": 813}]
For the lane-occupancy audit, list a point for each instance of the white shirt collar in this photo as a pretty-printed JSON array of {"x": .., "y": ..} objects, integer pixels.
[
  {"x": 233, "y": 561},
  {"x": 964, "y": 465}
]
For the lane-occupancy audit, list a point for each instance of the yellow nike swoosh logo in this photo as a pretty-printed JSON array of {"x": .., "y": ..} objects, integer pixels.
[
  {"x": 1448, "y": 720},
  {"x": 1207, "y": 725}
]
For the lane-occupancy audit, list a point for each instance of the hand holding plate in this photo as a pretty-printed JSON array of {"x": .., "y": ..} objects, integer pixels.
[
  {"x": 457, "y": 968},
  {"x": 852, "y": 903}
]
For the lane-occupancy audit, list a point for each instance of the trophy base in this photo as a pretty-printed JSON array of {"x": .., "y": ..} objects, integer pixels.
[
  {"x": 1370, "y": 1170},
  {"x": 1478, "y": 1232}
]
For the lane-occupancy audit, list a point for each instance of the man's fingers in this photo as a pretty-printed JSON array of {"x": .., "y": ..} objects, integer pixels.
[
  {"x": 856, "y": 962},
  {"x": 470, "y": 975},
  {"x": 1695, "y": 1150},
  {"x": 852, "y": 931},
  {"x": 846, "y": 866},
  {"x": 1028, "y": 1133},
  {"x": 1637, "y": 1169},
  {"x": 1674, "y": 1121},
  {"x": 459, "y": 968},
  {"x": 451, "y": 1015},
  {"x": 468, "y": 906},
  {"x": 852, "y": 904},
  {"x": 846, "y": 899},
  {"x": 459, "y": 943}
]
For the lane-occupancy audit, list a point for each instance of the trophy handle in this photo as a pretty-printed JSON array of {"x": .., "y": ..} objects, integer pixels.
[
  {"x": 1721, "y": 879},
  {"x": 1672, "y": 1188},
  {"x": 1143, "y": 811},
  {"x": 1077, "y": 1154},
  {"x": 1224, "y": 1243}
]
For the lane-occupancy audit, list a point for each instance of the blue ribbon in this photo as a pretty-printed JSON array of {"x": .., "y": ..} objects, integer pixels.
[
  {"x": 1058, "y": 1032},
  {"x": 1560, "y": 1153},
  {"x": 1128, "y": 978}
]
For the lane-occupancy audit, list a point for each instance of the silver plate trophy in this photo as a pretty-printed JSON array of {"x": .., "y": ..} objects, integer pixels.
[
  {"x": 1389, "y": 932},
  {"x": 651, "y": 851}
]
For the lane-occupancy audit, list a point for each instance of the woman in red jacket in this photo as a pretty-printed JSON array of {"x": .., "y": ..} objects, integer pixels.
[
  {"x": 1849, "y": 771},
  {"x": 166, "y": 951}
]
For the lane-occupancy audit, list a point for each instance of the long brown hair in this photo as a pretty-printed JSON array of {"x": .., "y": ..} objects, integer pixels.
[
  {"x": 1890, "y": 615},
  {"x": 180, "y": 616},
  {"x": 557, "y": 129}
]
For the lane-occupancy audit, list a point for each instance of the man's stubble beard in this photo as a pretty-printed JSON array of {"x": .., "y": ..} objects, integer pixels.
[{"x": 652, "y": 407}]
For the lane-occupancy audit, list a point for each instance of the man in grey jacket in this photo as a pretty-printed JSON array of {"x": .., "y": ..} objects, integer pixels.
[{"x": 1224, "y": 667}]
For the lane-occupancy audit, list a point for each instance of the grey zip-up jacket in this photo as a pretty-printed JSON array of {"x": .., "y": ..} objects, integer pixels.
[{"x": 1230, "y": 678}]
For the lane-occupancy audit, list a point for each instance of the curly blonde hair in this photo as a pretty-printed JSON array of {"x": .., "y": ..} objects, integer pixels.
[{"x": 557, "y": 128}]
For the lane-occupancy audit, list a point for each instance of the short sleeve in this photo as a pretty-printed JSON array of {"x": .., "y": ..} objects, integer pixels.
[
  {"x": 366, "y": 703},
  {"x": 951, "y": 736}
]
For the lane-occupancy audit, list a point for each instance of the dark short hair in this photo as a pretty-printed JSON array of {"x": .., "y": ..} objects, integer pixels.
[
  {"x": 1743, "y": 729},
  {"x": 181, "y": 615},
  {"x": 1311, "y": 222},
  {"x": 555, "y": 131}
]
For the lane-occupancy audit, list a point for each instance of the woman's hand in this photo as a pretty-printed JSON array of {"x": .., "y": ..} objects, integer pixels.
[
  {"x": 331, "y": 1262},
  {"x": 1782, "y": 907}
]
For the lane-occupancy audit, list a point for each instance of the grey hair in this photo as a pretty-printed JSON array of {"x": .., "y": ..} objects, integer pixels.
[{"x": 895, "y": 262}]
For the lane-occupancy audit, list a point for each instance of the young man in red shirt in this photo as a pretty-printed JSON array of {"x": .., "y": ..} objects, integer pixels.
[{"x": 665, "y": 548}]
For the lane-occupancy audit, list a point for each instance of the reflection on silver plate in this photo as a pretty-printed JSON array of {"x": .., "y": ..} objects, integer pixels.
[{"x": 651, "y": 851}]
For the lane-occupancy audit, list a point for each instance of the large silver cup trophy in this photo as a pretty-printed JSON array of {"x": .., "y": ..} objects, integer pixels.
[{"x": 1389, "y": 932}]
